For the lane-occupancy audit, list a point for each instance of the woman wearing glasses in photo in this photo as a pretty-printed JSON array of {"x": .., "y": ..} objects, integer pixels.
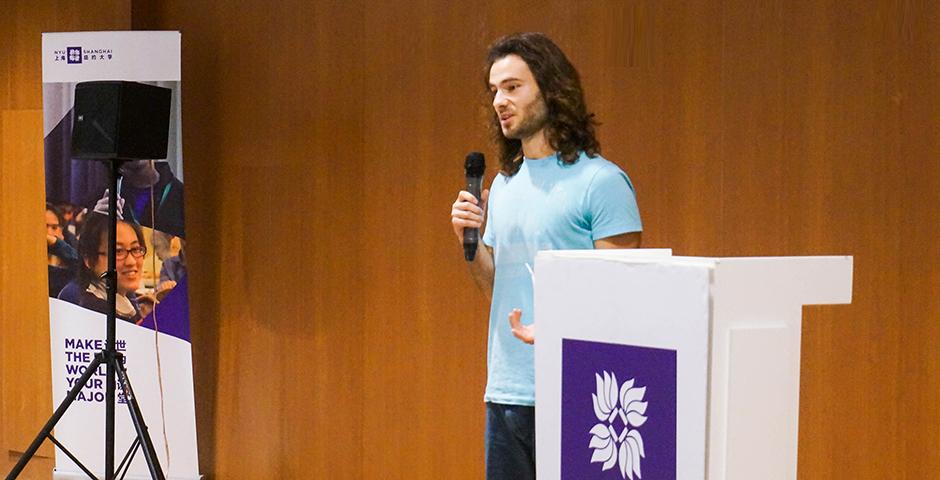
[{"x": 88, "y": 289}]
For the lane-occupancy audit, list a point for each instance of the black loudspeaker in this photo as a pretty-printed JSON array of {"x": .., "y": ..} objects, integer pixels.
[{"x": 120, "y": 120}]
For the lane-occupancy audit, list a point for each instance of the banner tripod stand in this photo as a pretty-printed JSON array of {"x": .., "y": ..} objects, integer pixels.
[{"x": 114, "y": 363}]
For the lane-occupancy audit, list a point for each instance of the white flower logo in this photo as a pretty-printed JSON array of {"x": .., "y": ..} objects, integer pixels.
[{"x": 626, "y": 404}]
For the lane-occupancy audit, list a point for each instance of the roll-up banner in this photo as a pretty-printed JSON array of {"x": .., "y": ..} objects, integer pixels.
[{"x": 153, "y": 303}]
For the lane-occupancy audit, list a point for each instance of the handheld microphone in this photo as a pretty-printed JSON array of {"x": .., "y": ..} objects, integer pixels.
[{"x": 474, "y": 167}]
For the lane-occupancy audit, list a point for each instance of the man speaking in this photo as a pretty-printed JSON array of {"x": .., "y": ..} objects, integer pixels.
[{"x": 553, "y": 191}]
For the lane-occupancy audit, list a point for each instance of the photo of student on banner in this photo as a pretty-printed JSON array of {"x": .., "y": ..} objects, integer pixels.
[
  {"x": 88, "y": 288},
  {"x": 172, "y": 253},
  {"x": 150, "y": 196},
  {"x": 61, "y": 256}
]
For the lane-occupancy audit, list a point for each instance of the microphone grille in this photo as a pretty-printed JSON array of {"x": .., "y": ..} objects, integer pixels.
[{"x": 475, "y": 164}]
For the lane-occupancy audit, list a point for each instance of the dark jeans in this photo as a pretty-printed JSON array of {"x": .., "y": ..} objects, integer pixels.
[{"x": 510, "y": 442}]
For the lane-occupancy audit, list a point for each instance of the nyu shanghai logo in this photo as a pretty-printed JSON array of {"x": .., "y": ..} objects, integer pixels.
[
  {"x": 618, "y": 412},
  {"x": 79, "y": 55},
  {"x": 74, "y": 54},
  {"x": 626, "y": 406}
]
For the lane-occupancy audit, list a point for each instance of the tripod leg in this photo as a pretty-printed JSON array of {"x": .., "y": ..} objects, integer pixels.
[
  {"x": 47, "y": 429},
  {"x": 137, "y": 418}
]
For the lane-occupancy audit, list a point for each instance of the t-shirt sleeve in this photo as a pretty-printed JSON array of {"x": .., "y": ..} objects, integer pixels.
[
  {"x": 489, "y": 235},
  {"x": 611, "y": 204}
]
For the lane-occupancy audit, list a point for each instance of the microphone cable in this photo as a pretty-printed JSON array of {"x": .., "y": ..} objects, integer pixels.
[{"x": 156, "y": 327}]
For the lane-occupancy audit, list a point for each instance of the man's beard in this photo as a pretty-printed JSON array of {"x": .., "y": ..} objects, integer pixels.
[{"x": 536, "y": 117}]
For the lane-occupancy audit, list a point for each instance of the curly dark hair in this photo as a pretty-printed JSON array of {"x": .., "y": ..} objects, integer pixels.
[{"x": 570, "y": 128}]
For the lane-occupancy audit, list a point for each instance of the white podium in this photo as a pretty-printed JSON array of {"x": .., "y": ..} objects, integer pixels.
[{"x": 659, "y": 367}]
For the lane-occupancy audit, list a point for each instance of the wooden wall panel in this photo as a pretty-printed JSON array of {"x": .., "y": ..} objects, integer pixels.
[
  {"x": 25, "y": 398},
  {"x": 294, "y": 311},
  {"x": 336, "y": 334},
  {"x": 5, "y": 35},
  {"x": 426, "y": 380}
]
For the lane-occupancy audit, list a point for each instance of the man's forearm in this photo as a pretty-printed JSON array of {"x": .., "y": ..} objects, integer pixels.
[{"x": 482, "y": 270}]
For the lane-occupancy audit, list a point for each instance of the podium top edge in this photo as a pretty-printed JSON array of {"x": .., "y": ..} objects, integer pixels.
[
  {"x": 664, "y": 255},
  {"x": 632, "y": 253},
  {"x": 786, "y": 258}
]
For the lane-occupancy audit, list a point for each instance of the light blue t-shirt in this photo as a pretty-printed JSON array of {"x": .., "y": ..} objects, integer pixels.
[{"x": 546, "y": 205}]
